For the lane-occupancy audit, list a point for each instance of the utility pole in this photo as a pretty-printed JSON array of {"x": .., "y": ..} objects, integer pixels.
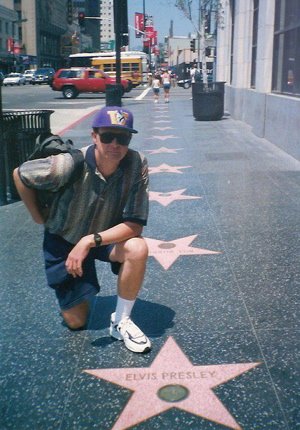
[
  {"x": 117, "y": 23},
  {"x": 199, "y": 36},
  {"x": 201, "y": 41},
  {"x": 114, "y": 92}
]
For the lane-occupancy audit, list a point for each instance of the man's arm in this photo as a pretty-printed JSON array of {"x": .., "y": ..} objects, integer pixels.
[
  {"x": 29, "y": 197},
  {"x": 116, "y": 234}
]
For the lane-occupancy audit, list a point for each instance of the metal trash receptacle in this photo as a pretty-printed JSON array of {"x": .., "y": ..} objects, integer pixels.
[
  {"x": 20, "y": 129},
  {"x": 208, "y": 101},
  {"x": 113, "y": 94}
]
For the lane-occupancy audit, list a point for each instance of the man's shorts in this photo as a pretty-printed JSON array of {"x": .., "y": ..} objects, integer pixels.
[{"x": 72, "y": 291}]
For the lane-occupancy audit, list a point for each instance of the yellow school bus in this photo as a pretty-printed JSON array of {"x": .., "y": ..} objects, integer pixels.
[{"x": 133, "y": 67}]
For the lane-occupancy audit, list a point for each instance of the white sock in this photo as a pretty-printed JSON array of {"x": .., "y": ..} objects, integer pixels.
[{"x": 123, "y": 309}]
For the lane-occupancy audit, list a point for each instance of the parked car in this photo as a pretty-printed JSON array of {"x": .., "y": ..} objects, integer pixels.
[
  {"x": 84, "y": 80},
  {"x": 14, "y": 79},
  {"x": 43, "y": 75},
  {"x": 28, "y": 74},
  {"x": 184, "y": 83}
]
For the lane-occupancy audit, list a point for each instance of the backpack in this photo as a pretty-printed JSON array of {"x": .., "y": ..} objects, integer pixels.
[
  {"x": 197, "y": 76},
  {"x": 47, "y": 144}
]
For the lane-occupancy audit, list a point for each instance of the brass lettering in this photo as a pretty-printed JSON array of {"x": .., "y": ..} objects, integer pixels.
[{"x": 141, "y": 376}]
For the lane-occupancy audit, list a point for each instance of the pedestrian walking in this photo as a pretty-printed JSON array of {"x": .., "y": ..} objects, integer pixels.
[
  {"x": 156, "y": 84},
  {"x": 166, "y": 81},
  {"x": 100, "y": 216},
  {"x": 173, "y": 79},
  {"x": 150, "y": 78},
  {"x": 193, "y": 73}
]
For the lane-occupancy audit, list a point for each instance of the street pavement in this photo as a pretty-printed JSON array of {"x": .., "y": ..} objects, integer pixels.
[{"x": 220, "y": 300}]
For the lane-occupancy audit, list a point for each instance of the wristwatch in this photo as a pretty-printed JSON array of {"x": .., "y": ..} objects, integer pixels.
[{"x": 97, "y": 239}]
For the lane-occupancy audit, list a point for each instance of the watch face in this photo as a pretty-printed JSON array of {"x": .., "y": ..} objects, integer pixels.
[{"x": 97, "y": 239}]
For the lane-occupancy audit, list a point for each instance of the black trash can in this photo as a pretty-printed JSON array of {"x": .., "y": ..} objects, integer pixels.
[
  {"x": 20, "y": 130},
  {"x": 208, "y": 101},
  {"x": 114, "y": 94}
]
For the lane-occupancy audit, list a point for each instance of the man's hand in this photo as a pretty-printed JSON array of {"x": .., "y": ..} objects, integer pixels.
[{"x": 78, "y": 255}]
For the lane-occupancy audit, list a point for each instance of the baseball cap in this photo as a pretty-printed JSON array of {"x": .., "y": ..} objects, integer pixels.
[{"x": 114, "y": 117}]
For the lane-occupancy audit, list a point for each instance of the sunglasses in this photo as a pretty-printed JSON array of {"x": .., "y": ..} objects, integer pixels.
[{"x": 122, "y": 139}]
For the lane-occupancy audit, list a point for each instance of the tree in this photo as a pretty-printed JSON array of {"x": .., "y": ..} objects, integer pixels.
[{"x": 206, "y": 10}]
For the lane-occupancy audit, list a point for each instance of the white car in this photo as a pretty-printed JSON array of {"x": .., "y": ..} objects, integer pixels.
[
  {"x": 28, "y": 74},
  {"x": 14, "y": 79}
]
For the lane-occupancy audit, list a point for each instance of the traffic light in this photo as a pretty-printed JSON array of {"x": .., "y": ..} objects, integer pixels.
[
  {"x": 81, "y": 17},
  {"x": 193, "y": 45},
  {"x": 207, "y": 24},
  {"x": 124, "y": 40},
  {"x": 121, "y": 16},
  {"x": 69, "y": 12},
  {"x": 124, "y": 16}
]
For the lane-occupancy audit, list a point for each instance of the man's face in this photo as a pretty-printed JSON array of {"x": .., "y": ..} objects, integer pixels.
[{"x": 111, "y": 143}]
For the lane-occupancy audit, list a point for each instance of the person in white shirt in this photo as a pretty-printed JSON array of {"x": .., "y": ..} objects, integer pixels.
[
  {"x": 166, "y": 81},
  {"x": 193, "y": 73},
  {"x": 156, "y": 84}
]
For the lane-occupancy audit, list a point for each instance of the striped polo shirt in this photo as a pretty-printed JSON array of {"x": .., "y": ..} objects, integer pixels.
[{"x": 92, "y": 203}]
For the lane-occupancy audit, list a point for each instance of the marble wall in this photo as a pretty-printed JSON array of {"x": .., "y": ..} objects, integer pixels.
[{"x": 271, "y": 116}]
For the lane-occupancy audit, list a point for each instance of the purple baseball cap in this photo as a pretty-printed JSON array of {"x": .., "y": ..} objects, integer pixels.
[{"x": 114, "y": 117}]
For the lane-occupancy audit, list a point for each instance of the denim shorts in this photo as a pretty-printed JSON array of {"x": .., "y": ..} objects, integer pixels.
[{"x": 72, "y": 291}]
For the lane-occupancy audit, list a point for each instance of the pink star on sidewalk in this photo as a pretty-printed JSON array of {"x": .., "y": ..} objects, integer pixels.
[
  {"x": 163, "y": 150},
  {"x": 172, "y": 381},
  {"x": 165, "y": 168},
  {"x": 166, "y": 198},
  {"x": 166, "y": 253},
  {"x": 169, "y": 136}
]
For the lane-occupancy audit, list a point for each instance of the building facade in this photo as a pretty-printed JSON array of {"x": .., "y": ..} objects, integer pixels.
[
  {"x": 8, "y": 19},
  {"x": 107, "y": 32},
  {"x": 258, "y": 56},
  {"x": 180, "y": 57},
  {"x": 90, "y": 31},
  {"x": 40, "y": 33}
]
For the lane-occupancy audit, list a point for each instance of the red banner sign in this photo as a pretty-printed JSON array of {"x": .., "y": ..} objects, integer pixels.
[
  {"x": 138, "y": 24},
  {"x": 149, "y": 30},
  {"x": 151, "y": 37}
]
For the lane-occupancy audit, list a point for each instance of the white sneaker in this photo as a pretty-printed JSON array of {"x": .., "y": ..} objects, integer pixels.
[{"x": 133, "y": 337}]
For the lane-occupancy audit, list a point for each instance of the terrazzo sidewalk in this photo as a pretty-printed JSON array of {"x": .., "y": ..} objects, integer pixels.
[{"x": 220, "y": 300}]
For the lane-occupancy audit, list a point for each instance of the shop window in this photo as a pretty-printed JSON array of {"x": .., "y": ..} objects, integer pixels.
[{"x": 286, "y": 51}]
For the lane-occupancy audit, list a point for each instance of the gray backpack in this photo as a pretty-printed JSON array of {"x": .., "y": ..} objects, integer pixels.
[{"x": 47, "y": 144}]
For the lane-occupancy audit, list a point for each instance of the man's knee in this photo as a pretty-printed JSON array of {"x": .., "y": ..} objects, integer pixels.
[
  {"x": 136, "y": 248},
  {"x": 76, "y": 317}
]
